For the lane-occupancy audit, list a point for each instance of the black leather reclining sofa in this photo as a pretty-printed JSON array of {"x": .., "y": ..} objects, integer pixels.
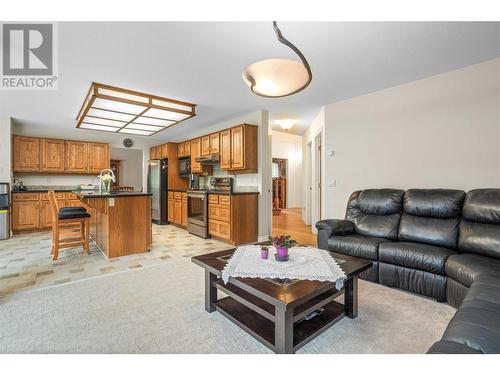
[{"x": 439, "y": 243}]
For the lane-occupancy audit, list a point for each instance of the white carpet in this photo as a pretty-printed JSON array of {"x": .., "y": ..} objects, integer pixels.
[{"x": 160, "y": 309}]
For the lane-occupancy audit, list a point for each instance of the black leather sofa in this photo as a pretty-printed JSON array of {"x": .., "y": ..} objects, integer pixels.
[{"x": 439, "y": 243}]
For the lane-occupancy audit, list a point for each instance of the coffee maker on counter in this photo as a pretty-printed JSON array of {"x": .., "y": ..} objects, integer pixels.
[{"x": 194, "y": 182}]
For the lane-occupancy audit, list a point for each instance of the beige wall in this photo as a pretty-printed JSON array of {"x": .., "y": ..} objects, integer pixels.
[
  {"x": 311, "y": 210},
  {"x": 5, "y": 149},
  {"x": 439, "y": 132}
]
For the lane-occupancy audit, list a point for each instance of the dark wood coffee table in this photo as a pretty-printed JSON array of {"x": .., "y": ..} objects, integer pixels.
[{"x": 284, "y": 315}]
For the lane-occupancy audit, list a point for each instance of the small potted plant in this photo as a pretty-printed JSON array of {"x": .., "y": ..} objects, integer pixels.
[
  {"x": 282, "y": 244},
  {"x": 264, "y": 252}
]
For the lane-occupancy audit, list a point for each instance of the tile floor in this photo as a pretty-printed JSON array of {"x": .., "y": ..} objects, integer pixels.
[{"x": 25, "y": 261}]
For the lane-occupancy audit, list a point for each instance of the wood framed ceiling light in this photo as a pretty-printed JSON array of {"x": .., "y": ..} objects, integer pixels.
[{"x": 117, "y": 110}]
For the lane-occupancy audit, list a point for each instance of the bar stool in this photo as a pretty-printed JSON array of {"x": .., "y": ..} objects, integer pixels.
[{"x": 68, "y": 215}]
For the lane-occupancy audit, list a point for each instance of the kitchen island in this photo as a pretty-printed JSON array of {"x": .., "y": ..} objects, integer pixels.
[{"x": 120, "y": 222}]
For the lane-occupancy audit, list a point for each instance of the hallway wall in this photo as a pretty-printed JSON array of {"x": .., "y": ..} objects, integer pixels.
[{"x": 289, "y": 146}]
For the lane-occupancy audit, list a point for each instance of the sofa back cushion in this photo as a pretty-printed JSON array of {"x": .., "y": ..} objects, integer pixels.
[
  {"x": 480, "y": 225},
  {"x": 431, "y": 216},
  {"x": 376, "y": 212}
]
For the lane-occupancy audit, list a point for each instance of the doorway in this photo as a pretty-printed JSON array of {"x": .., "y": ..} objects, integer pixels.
[
  {"x": 288, "y": 199},
  {"x": 279, "y": 176},
  {"x": 317, "y": 173}
]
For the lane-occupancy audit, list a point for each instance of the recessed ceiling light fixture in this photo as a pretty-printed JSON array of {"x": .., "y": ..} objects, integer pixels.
[
  {"x": 113, "y": 109},
  {"x": 286, "y": 124},
  {"x": 275, "y": 78}
]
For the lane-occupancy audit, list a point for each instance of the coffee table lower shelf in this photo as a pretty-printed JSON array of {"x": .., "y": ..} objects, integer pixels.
[{"x": 263, "y": 329}]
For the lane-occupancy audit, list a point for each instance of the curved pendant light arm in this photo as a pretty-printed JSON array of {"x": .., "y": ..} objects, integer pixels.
[{"x": 286, "y": 42}]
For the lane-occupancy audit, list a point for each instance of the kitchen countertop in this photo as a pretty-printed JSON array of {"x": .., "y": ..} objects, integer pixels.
[
  {"x": 178, "y": 190},
  {"x": 114, "y": 194},
  {"x": 42, "y": 191},
  {"x": 226, "y": 192}
]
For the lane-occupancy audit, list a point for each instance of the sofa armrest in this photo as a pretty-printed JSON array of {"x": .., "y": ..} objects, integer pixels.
[{"x": 332, "y": 227}]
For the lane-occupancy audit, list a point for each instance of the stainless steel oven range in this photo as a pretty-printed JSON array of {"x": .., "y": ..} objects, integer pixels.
[{"x": 197, "y": 220}]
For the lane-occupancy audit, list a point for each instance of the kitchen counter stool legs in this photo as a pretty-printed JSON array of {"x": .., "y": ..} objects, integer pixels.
[{"x": 71, "y": 216}]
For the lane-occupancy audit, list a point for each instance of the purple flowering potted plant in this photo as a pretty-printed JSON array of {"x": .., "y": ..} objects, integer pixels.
[{"x": 282, "y": 244}]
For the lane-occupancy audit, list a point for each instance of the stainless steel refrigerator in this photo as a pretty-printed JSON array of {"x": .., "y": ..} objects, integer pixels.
[{"x": 157, "y": 186}]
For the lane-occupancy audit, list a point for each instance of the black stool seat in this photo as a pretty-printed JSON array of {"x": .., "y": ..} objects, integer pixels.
[
  {"x": 64, "y": 209},
  {"x": 72, "y": 213}
]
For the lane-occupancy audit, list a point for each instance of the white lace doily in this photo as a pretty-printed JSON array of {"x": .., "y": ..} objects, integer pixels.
[{"x": 305, "y": 263}]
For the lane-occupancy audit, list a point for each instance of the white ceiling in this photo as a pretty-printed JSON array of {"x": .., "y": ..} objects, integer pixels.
[{"x": 202, "y": 63}]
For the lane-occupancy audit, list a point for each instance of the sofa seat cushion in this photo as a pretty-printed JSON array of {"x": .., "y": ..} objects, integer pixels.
[
  {"x": 476, "y": 325},
  {"x": 415, "y": 255},
  {"x": 356, "y": 245},
  {"x": 451, "y": 347},
  {"x": 465, "y": 268}
]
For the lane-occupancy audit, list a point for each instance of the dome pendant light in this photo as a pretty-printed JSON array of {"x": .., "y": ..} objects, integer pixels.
[{"x": 275, "y": 78}]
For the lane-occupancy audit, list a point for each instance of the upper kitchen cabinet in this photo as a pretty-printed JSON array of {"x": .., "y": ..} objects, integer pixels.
[
  {"x": 164, "y": 151},
  {"x": 197, "y": 167},
  {"x": 47, "y": 155},
  {"x": 26, "y": 154},
  {"x": 77, "y": 157},
  {"x": 195, "y": 153},
  {"x": 98, "y": 157},
  {"x": 205, "y": 146},
  {"x": 53, "y": 155},
  {"x": 185, "y": 149},
  {"x": 152, "y": 153},
  {"x": 225, "y": 149},
  {"x": 210, "y": 144},
  {"x": 238, "y": 151},
  {"x": 214, "y": 143}
]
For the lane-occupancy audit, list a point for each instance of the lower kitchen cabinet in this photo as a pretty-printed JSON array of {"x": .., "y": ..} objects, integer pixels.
[
  {"x": 233, "y": 218},
  {"x": 170, "y": 207},
  {"x": 184, "y": 218},
  {"x": 25, "y": 215},
  {"x": 32, "y": 211},
  {"x": 177, "y": 208}
]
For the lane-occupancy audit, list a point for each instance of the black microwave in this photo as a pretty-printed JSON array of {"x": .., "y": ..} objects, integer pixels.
[{"x": 184, "y": 167}]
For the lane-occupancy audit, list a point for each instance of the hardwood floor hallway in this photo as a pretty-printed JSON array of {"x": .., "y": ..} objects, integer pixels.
[{"x": 289, "y": 222}]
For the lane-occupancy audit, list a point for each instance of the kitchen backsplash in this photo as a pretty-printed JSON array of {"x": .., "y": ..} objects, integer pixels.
[
  {"x": 57, "y": 180},
  {"x": 241, "y": 182}
]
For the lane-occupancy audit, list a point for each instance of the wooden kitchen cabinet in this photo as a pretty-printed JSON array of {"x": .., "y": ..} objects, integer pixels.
[
  {"x": 26, "y": 154},
  {"x": 210, "y": 144},
  {"x": 77, "y": 156},
  {"x": 98, "y": 157},
  {"x": 158, "y": 152},
  {"x": 226, "y": 222},
  {"x": 177, "y": 211},
  {"x": 177, "y": 208},
  {"x": 180, "y": 150},
  {"x": 205, "y": 145},
  {"x": 170, "y": 207},
  {"x": 195, "y": 153},
  {"x": 225, "y": 149},
  {"x": 214, "y": 143},
  {"x": 152, "y": 153},
  {"x": 238, "y": 149},
  {"x": 32, "y": 211},
  {"x": 164, "y": 151},
  {"x": 53, "y": 155},
  {"x": 25, "y": 215},
  {"x": 184, "y": 210},
  {"x": 187, "y": 148}
]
